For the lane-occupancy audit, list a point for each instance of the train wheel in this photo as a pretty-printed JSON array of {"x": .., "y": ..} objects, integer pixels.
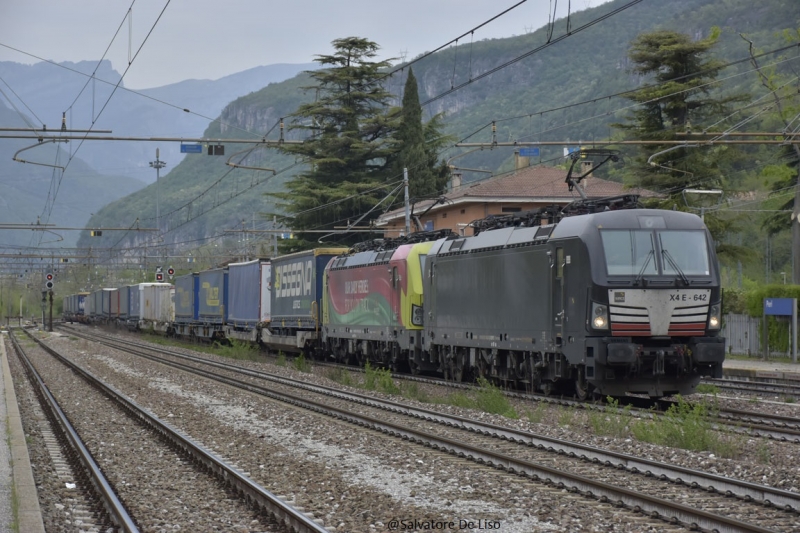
[
  {"x": 457, "y": 369},
  {"x": 583, "y": 390}
]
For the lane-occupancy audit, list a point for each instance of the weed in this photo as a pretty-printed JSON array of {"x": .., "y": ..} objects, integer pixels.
[
  {"x": 687, "y": 426},
  {"x": 341, "y": 376},
  {"x": 609, "y": 421},
  {"x": 763, "y": 453},
  {"x": 236, "y": 349},
  {"x": 459, "y": 399},
  {"x": 492, "y": 400},
  {"x": 789, "y": 399},
  {"x": 412, "y": 391},
  {"x": 707, "y": 388},
  {"x": 566, "y": 416},
  {"x": 300, "y": 364},
  {"x": 536, "y": 416},
  {"x": 281, "y": 360},
  {"x": 379, "y": 379}
]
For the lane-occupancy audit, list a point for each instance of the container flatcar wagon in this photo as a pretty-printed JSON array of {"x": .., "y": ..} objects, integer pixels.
[
  {"x": 296, "y": 298},
  {"x": 248, "y": 299}
]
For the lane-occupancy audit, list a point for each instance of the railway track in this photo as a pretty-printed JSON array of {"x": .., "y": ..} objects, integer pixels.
[
  {"x": 655, "y": 489},
  {"x": 783, "y": 388},
  {"x": 169, "y": 457}
]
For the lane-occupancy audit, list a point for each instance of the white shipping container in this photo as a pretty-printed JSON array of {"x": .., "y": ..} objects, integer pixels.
[{"x": 155, "y": 302}]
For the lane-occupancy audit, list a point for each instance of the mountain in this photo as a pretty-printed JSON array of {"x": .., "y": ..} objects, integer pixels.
[
  {"x": 101, "y": 171},
  {"x": 542, "y": 86},
  {"x": 27, "y": 190},
  {"x": 52, "y": 89}
]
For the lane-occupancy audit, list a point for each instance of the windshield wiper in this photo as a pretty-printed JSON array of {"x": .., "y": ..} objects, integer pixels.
[
  {"x": 640, "y": 275},
  {"x": 672, "y": 262}
]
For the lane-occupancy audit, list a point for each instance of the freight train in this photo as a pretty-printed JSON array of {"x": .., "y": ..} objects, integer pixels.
[{"x": 592, "y": 300}]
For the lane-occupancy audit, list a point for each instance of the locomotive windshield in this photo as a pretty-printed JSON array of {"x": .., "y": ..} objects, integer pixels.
[
  {"x": 685, "y": 250},
  {"x": 633, "y": 252}
]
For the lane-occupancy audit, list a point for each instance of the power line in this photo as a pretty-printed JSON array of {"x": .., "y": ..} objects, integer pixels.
[{"x": 531, "y": 52}]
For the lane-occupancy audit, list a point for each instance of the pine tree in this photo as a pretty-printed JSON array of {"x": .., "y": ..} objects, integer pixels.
[
  {"x": 676, "y": 98},
  {"x": 349, "y": 130},
  {"x": 418, "y": 146}
]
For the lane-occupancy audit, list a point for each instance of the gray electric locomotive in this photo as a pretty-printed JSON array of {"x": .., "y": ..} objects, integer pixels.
[{"x": 608, "y": 303}]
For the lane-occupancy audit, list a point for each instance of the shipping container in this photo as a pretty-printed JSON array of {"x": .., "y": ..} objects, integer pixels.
[
  {"x": 134, "y": 303},
  {"x": 124, "y": 302},
  {"x": 246, "y": 293},
  {"x": 89, "y": 305},
  {"x": 297, "y": 288},
  {"x": 156, "y": 302},
  {"x": 211, "y": 295},
  {"x": 186, "y": 303},
  {"x": 110, "y": 302}
]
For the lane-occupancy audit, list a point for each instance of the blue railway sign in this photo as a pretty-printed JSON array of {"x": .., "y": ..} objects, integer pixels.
[
  {"x": 191, "y": 148},
  {"x": 778, "y": 306},
  {"x": 532, "y": 151}
]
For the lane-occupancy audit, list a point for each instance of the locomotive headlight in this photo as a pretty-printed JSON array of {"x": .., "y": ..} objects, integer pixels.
[
  {"x": 599, "y": 316},
  {"x": 714, "y": 320}
]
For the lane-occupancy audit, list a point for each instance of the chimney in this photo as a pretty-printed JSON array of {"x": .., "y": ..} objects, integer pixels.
[
  {"x": 521, "y": 161},
  {"x": 455, "y": 181},
  {"x": 586, "y": 168}
]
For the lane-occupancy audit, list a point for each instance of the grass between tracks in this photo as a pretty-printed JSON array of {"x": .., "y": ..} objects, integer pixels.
[
  {"x": 685, "y": 425},
  {"x": 486, "y": 397}
]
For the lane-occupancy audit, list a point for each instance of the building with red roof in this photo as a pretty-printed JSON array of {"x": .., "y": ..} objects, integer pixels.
[{"x": 524, "y": 189}]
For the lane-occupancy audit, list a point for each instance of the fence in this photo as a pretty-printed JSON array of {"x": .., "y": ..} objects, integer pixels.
[{"x": 742, "y": 335}]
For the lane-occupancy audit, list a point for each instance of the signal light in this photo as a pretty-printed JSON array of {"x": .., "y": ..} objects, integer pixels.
[
  {"x": 49, "y": 277},
  {"x": 170, "y": 272},
  {"x": 49, "y": 283},
  {"x": 159, "y": 276}
]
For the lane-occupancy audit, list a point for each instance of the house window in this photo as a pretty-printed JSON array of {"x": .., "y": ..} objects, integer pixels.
[
  {"x": 512, "y": 209},
  {"x": 463, "y": 211},
  {"x": 429, "y": 225},
  {"x": 444, "y": 215}
]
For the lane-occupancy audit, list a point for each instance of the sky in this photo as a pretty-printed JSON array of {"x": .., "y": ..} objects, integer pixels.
[{"x": 174, "y": 40}]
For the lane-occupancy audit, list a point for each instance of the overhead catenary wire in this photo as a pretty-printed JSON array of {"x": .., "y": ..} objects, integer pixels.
[{"x": 122, "y": 77}]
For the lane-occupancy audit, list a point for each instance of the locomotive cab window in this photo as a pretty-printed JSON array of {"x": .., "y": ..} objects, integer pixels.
[
  {"x": 685, "y": 251},
  {"x": 629, "y": 252},
  {"x": 659, "y": 253}
]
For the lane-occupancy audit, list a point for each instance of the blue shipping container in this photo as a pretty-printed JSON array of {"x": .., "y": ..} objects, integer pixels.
[
  {"x": 186, "y": 298},
  {"x": 244, "y": 284},
  {"x": 212, "y": 296}
]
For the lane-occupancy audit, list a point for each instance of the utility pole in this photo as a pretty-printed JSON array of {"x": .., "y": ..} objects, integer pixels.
[
  {"x": 408, "y": 214},
  {"x": 158, "y": 165}
]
